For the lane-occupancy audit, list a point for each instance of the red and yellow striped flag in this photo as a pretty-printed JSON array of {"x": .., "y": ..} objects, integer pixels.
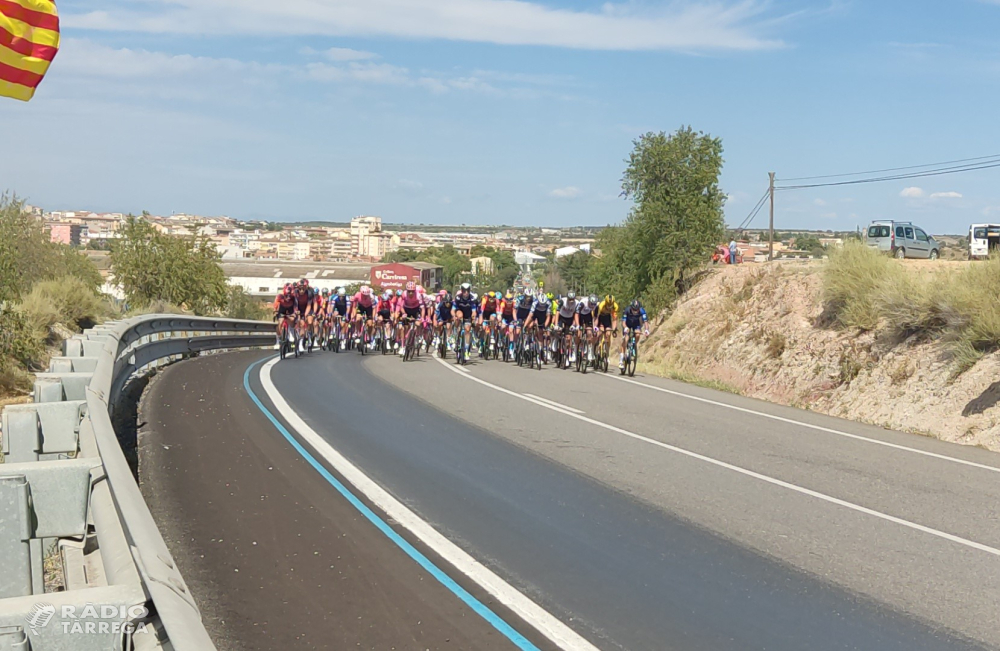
[{"x": 29, "y": 40}]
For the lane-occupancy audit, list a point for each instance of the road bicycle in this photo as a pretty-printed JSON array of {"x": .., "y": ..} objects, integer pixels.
[
  {"x": 289, "y": 341},
  {"x": 631, "y": 354}
]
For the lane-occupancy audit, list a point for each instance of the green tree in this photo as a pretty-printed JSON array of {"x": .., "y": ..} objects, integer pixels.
[
  {"x": 575, "y": 270},
  {"x": 676, "y": 219},
  {"x": 28, "y": 256},
  {"x": 150, "y": 266}
]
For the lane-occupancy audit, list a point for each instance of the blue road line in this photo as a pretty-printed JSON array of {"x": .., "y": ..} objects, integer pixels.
[{"x": 494, "y": 620}]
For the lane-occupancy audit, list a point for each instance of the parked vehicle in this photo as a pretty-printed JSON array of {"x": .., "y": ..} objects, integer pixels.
[
  {"x": 902, "y": 240},
  {"x": 984, "y": 239}
]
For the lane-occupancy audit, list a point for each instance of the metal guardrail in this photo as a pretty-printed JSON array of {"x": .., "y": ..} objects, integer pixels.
[{"x": 66, "y": 487}]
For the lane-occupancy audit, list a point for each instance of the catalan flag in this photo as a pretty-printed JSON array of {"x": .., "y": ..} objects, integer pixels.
[{"x": 29, "y": 40}]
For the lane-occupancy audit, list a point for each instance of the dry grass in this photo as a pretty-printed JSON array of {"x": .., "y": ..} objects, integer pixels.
[
  {"x": 776, "y": 345},
  {"x": 866, "y": 290},
  {"x": 664, "y": 370}
]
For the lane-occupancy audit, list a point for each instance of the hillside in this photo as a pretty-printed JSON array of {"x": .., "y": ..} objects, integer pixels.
[{"x": 756, "y": 330}]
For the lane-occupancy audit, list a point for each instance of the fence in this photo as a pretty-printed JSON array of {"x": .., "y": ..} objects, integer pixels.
[{"x": 70, "y": 504}]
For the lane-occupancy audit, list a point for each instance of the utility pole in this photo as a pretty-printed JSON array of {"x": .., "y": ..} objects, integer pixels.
[{"x": 770, "y": 236}]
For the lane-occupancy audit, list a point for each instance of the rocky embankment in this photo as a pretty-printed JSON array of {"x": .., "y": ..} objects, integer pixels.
[{"x": 759, "y": 330}]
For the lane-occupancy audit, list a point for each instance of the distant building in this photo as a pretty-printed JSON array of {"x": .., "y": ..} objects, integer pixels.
[
  {"x": 481, "y": 265},
  {"x": 527, "y": 259},
  {"x": 396, "y": 275},
  {"x": 566, "y": 250},
  {"x": 266, "y": 279},
  {"x": 65, "y": 233}
]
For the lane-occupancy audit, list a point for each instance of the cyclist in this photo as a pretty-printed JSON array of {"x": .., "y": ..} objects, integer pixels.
[
  {"x": 315, "y": 316},
  {"x": 465, "y": 308},
  {"x": 410, "y": 306},
  {"x": 339, "y": 307},
  {"x": 540, "y": 318},
  {"x": 285, "y": 307},
  {"x": 506, "y": 311},
  {"x": 386, "y": 311},
  {"x": 488, "y": 315},
  {"x": 569, "y": 321},
  {"x": 443, "y": 318},
  {"x": 302, "y": 304},
  {"x": 362, "y": 310},
  {"x": 585, "y": 320},
  {"x": 633, "y": 318},
  {"x": 607, "y": 319}
]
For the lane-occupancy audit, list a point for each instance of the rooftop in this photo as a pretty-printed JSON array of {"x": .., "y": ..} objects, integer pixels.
[{"x": 293, "y": 270}]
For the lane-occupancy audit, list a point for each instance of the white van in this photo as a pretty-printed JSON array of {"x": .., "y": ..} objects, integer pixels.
[
  {"x": 902, "y": 240},
  {"x": 983, "y": 240}
]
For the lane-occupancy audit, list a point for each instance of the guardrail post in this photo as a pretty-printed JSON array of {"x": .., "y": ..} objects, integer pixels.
[
  {"x": 15, "y": 576},
  {"x": 41, "y": 431}
]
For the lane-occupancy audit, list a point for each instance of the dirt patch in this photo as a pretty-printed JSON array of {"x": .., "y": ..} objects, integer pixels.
[{"x": 759, "y": 330}]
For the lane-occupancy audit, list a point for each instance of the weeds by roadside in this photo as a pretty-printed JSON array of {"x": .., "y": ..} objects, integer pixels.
[
  {"x": 867, "y": 290},
  {"x": 663, "y": 370}
]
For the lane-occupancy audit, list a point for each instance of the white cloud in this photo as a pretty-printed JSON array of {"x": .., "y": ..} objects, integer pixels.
[
  {"x": 682, "y": 26},
  {"x": 946, "y": 195},
  {"x": 912, "y": 193},
  {"x": 569, "y": 192},
  {"x": 347, "y": 54},
  {"x": 407, "y": 184}
]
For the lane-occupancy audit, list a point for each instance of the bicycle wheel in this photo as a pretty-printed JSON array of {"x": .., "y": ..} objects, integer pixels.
[{"x": 633, "y": 360}]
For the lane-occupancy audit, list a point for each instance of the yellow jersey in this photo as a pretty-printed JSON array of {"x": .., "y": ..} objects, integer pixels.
[{"x": 605, "y": 308}]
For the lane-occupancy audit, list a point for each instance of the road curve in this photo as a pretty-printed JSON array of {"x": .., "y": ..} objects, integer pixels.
[
  {"x": 275, "y": 558},
  {"x": 646, "y": 549},
  {"x": 594, "y": 498}
]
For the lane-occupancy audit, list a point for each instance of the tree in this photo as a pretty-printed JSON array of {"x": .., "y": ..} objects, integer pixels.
[
  {"x": 575, "y": 270},
  {"x": 676, "y": 220},
  {"x": 28, "y": 256},
  {"x": 150, "y": 266}
]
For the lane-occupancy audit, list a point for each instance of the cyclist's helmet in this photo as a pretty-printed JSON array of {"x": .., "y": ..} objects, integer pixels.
[
  {"x": 571, "y": 296},
  {"x": 609, "y": 299},
  {"x": 636, "y": 305},
  {"x": 326, "y": 292},
  {"x": 447, "y": 297},
  {"x": 411, "y": 286},
  {"x": 509, "y": 295},
  {"x": 550, "y": 296},
  {"x": 466, "y": 287},
  {"x": 287, "y": 289},
  {"x": 529, "y": 292},
  {"x": 443, "y": 293},
  {"x": 492, "y": 294},
  {"x": 387, "y": 294},
  {"x": 304, "y": 282},
  {"x": 593, "y": 299},
  {"x": 366, "y": 291},
  {"x": 341, "y": 291},
  {"x": 399, "y": 292}
]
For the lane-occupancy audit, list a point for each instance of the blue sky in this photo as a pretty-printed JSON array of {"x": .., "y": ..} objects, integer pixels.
[{"x": 505, "y": 111}]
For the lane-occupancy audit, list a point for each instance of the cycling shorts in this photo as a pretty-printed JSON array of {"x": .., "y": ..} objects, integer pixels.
[
  {"x": 286, "y": 311},
  {"x": 565, "y": 322},
  {"x": 604, "y": 320},
  {"x": 466, "y": 313},
  {"x": 522, "y": 313},
  {"x": 340, "y": 309},
  {"x": 507, "y": 318},
  {"x": 385, "y": 315},
  {"x": 541, "y": 317},
  {"x": 444, "y": 317},
  {"x": 587, "y": 320},
  {"x": 412, "y": 312},
  {"x": 489, "y": 314},
  {"x": 367, "y": 311}
]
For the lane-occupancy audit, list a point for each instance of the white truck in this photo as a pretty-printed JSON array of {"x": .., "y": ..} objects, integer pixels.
[{"x": 984, "y": 239}]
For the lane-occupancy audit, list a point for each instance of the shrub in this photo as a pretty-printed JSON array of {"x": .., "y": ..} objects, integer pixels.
[
  {"x": 853, "y": 284},
  {"x": 240, "y": 305},
  {"x": 776, "y": 344},
  {"x": 68, "y": 301}
]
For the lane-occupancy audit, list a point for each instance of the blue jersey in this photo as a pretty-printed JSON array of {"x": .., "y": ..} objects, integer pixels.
[
  {"x": 466, "y": 304},
  {"x": 634, "y": 319}
]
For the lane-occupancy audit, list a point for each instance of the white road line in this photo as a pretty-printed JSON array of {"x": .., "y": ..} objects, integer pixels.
[
  {"x": 552, "y": 402},
  {"x": 547, "y": 624},
  {"x": 819, "y": 428},
  {"x": 749, "y": 473}
]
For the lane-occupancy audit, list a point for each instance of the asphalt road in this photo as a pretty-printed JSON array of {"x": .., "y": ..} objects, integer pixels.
[
  {"x": 642, "y": 517},
  {"x": 275, "y": 558}
]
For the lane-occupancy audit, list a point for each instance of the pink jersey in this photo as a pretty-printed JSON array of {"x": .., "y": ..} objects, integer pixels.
[
  {"x": 364, "y": 301},
  {"x": 411, "y": 301}
]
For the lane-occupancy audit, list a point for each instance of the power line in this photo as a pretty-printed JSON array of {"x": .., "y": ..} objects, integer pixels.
[
  {"x": 753, "y": 213},
  {"x": 897, "y": 177},
  {"x": 892, "y": 169}
]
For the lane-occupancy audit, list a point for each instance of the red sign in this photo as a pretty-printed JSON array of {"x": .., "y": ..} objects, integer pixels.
[{"x": 393, "y": 276}]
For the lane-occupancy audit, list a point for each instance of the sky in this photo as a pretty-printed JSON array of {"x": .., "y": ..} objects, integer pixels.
[{"x": 505, "y": 111}]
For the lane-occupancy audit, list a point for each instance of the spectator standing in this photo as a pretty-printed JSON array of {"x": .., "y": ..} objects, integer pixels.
[{"x": 733, "y": 252}]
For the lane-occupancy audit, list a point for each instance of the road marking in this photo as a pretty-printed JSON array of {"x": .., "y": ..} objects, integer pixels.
[
  {"x": 547, "y": 624},
  {"x": 552, "y": 402},
  {"x": 819, "y": 428},
  {"x": 744, "y": 471}
]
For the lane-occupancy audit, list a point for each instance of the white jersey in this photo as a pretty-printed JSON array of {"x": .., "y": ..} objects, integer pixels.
[{"x": 567, "y": 308}]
